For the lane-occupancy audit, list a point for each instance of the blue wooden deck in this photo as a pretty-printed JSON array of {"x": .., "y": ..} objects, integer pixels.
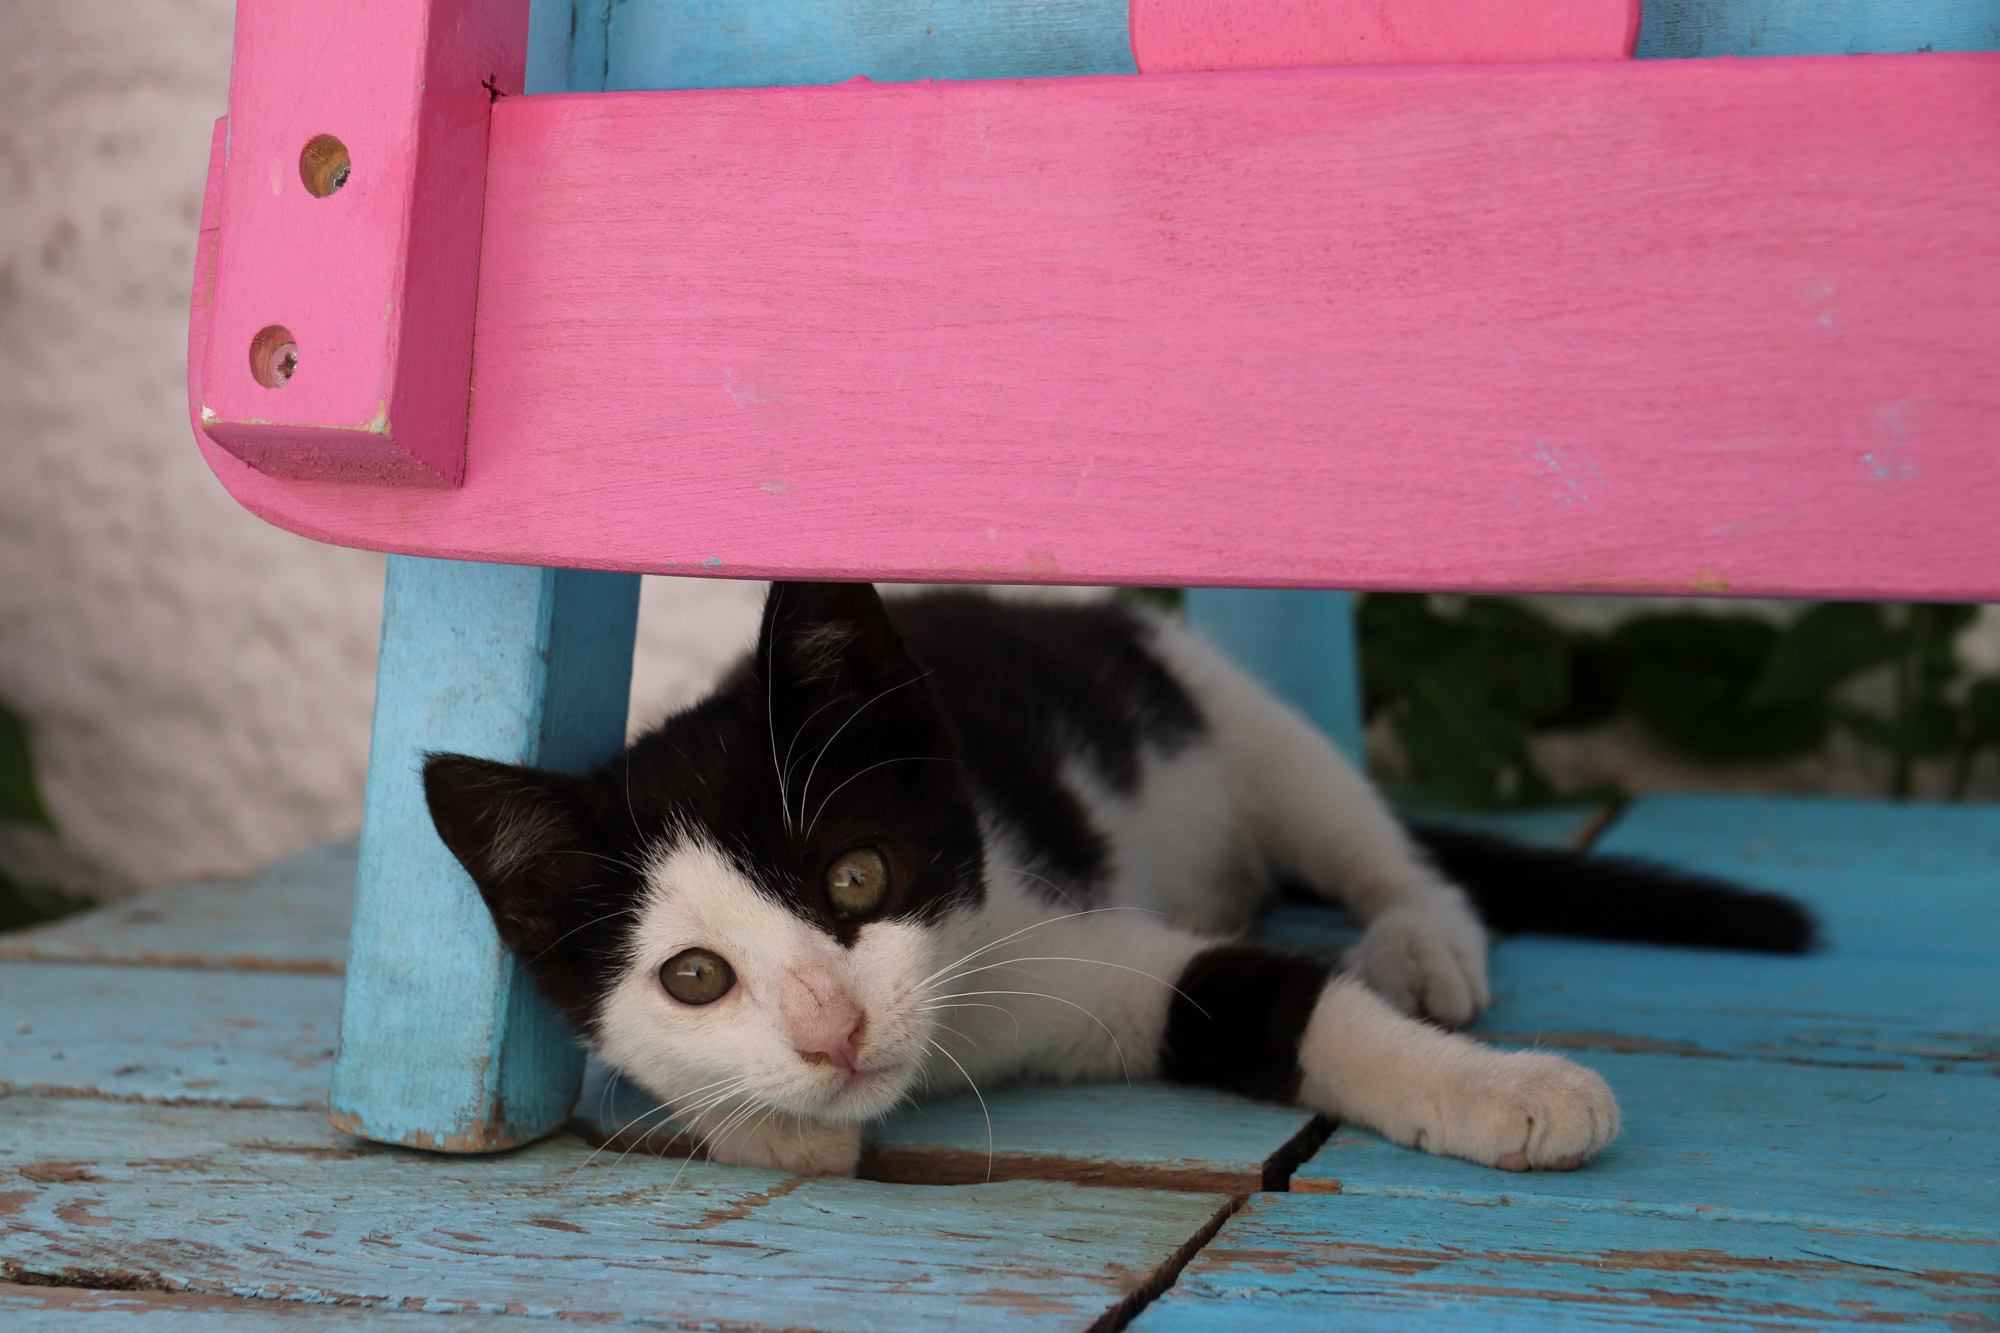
[{"x": 1810, "y": 1143}]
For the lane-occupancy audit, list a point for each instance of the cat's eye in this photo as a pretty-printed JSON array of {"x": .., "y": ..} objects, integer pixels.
[
  {"x": 856, "y": 881},
  {"x": 696, "y": 976}
]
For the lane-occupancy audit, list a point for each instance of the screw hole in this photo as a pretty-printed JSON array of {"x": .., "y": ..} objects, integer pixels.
[
  {"x": 274, "y": 356},
  {"x": 323, "y": 165}
]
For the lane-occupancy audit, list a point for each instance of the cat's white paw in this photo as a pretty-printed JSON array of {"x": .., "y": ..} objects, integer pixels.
[
  {"x": 787, "y": 1143},
  {"x": 1519, "y": 1111},
  {"x": 1427, "y": 956}
]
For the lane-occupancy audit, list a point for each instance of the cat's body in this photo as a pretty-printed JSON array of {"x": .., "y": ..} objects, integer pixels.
[{"x": 959, "y": 842}]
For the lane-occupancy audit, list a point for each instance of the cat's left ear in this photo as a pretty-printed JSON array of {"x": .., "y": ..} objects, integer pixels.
[
  {"x": 830, "y": 636},
  {"x": 521, "y": 834}
]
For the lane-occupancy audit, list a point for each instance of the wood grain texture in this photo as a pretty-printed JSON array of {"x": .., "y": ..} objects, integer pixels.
[
  {"x": 757, "y": 43},
  {"x": 290, "y": 916},
  {"x": 35, "y": 1309},
  {"x": 1819, "y": 1010},
  {"x": 1910, "y": 882},
  {"x": 1033, "y": 331},
  {"x": 376, "y": 281},
  {"x": 152, "y": 1034},
  {"x": 444, "y": 1042},
  {"x": 1900, "y": 1153},
  {"x": 1816, "y": 27},
  {"x": 1144, "y": 1135},
  {"x": 1175, "y": 36},
  {"x": 1375, "y": 1263},
  {"x": 1299, "y": 644},
  {"x": 273, "y": 1205}
]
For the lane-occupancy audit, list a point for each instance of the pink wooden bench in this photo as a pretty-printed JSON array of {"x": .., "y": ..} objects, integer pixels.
[{"x": 1497, "y": 310}]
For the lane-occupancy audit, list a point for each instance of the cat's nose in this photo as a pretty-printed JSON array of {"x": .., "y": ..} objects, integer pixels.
[{"x": 836, "y": 1043}]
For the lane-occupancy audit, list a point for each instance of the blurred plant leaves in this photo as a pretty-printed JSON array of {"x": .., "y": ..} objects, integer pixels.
[
  {"x": 20, "y": 795},
  {"x": 1693, "y": 680},
  {"x": 1467, "y": 683},
  {"x": 1827, "y": 645}
]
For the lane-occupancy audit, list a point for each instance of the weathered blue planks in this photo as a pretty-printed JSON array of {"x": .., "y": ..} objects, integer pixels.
[
  {"x": 34, "y": 1309},
  {"x": 1144, "y": 1135},
  {"x": 1815, "y": 27},
  {"x": 1299, "y": 1261},
  {"x": 444, "y": 1043},
  {"x": 1819, "y": 1009},
  {"x": 1898, "y": 1153},
  {"x": 157, "y": 1034},
  {"x": 1299, "y": 644},
  {"x": 291, "y": 916},
  {"x": 275, "y": 1206},
  {"x": 1913, "y": 881},
  {"x": 755, "y": 43}
]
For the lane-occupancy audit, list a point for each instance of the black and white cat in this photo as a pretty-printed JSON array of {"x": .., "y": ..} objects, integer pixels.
[{"x": 954, "y": 841}]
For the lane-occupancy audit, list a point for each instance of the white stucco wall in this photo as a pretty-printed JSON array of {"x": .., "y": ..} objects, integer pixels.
[{"x": 199, "y": 683}]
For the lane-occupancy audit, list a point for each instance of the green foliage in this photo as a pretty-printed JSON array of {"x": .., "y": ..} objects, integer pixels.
[
  {"x": 1161, "y": 599},
  {"x": 1466, "y": 683},
  {"x": 1464, "y": 689},
  {"x": 20, "y": 796},
  {"x": 21, "y": 803}
]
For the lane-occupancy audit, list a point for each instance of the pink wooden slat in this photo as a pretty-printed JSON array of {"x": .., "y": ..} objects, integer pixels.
[
  {"x": 375, "y": 282},
  {"x": 1719, "y": 326},
  {"x": 1174, "y": 36}
]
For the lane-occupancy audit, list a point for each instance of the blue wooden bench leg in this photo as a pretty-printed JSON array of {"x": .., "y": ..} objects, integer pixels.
[
  {"x": 444, "y": 1042},
  {"x": 1300, "y": 644}
]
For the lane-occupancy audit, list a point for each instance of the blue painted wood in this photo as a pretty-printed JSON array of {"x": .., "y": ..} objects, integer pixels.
[
  {"x": 753, "y": 43},
  {"x": 1150, "y": 1135},
  {"x": 1822, "y": 1009},
  {"x": 1895, "y": 1153},
  {"x": 551, "y": 27},
  {"x": 290, "y": 916},
  {"x": 444, "y": 1043},
  {"x": 83, "y": 1310},
  {"x": 1914, "y": 881},
  {"x": 1393, "y": 1264},
  {"x": 1815, "y": 27},
  {"x": 273, "y": 1205},
  {"x": 1299, "y": 643},
  {"x": 167, "y": 1035}
]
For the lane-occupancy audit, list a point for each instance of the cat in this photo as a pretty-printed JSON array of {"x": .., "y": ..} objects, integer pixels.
[{"x": 948, "y": 841}]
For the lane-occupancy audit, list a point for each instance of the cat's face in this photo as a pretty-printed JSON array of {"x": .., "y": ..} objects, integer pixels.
[{"x": 755, "y": 901}]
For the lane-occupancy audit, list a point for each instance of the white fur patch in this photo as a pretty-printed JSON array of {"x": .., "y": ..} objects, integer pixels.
[
  {"x": 743, "y": 1051},
  {"x": 1447, "y": 1094}
]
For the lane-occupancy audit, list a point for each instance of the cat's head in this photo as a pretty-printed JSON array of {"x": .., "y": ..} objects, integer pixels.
[{"x": 754, "y": 898}]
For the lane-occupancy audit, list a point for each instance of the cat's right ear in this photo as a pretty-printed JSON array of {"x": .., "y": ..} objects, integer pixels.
[{"x": 519, "y": 833}]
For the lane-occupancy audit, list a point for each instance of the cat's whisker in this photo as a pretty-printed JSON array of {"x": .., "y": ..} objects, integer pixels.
[
  {"x": 938, "y": 1046},
  {"x": 623, "y": 911},
  {"x": 1001, "y": 1007},
  {"x": 1036, "y": 925},
  {"x": 1116, "y": 1045},
  {"x": 806, "y": 790},
  {"x": 770, "y": 707},
  {"x": 614, "y": 1137},
  {"x": 1099, "y": 962},
  {"x": 906, "y": 759}
]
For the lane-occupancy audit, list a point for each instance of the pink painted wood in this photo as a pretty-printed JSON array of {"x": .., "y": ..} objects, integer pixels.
[
  {"x": 1176, "y": 36},
  {"x": 375, "y": 282},
  {"x": 1686, "y": 326}
]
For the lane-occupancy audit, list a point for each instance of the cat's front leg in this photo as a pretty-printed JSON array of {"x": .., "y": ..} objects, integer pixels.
[
  {"x": 1518, "y": 1110},
  {"x": 1426, "y": 954},
  {"x": 778, "y": 1141}
]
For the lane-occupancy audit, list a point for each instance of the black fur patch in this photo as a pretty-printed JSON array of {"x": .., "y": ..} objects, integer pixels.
[
  {"x": 1023, "y": 687},
  {"x": 1613, "y": 897},
  {"x": 851, "y": 724},
  {"x": 1238, "y": 1018}
]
